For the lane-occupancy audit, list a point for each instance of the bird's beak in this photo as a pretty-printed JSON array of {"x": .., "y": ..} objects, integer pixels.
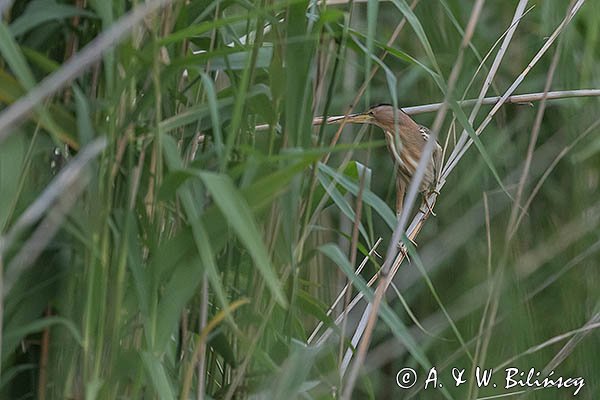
[{"x": 360, "y": 118}]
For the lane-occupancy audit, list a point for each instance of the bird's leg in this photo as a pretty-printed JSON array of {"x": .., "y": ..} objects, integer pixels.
[
  {"x": 429, "y": 206},
  {"x": 400, "y": 191},
  {"x": 426, "y": 203}
]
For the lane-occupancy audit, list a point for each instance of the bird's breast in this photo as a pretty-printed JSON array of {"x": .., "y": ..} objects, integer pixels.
[{"x": 406, "y": 154}]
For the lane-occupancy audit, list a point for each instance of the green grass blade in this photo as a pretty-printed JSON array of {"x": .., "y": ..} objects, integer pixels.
[
  {"x": 42, "y": 11},
  {"x": 158, "y": 376},
  {"x": 397, "y": 327},
  {"x": 368, "y": 197},
  {"x": 238, "y": 215}
]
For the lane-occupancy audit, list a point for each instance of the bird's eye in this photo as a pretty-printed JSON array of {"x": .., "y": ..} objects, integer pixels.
[{"x": 371, "y": 113}]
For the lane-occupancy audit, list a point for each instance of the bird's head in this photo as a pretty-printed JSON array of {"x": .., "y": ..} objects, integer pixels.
[{"x": 382, "y": 115}]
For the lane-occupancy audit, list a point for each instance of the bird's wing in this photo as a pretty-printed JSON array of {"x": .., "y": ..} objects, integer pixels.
[
  {"x": 424, "y": 132},
  {"x": 437, "y": 162},
  {"x": 437, "y": 153}
]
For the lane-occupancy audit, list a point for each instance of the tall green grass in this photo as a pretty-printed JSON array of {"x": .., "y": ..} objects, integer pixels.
[{"x": 174, "y": 226}]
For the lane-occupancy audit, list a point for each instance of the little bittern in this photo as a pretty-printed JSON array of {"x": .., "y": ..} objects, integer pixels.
[{"x": 405, "y": 141}]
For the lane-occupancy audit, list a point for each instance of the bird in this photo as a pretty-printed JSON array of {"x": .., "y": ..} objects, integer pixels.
[{"x": 405, "y": 140}]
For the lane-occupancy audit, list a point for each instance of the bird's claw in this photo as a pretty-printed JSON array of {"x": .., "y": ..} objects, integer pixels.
[
  {"x": 429, "y": 207},
  {"x": 404, "y": 251}
]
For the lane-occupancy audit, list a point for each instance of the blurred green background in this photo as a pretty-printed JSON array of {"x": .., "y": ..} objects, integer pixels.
[{"x": 173, "y": 226}]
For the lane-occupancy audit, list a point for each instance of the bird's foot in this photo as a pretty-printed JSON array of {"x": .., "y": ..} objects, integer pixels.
[
  {"x": 429, "y": 206},
  {"x": 404, "y": 251}
]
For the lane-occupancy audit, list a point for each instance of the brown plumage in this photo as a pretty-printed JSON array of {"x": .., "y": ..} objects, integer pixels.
[{"x": 405, "y": 141}]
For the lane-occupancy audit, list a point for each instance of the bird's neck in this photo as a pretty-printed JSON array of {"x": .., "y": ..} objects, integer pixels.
[{"x": 406, "y": 122}]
